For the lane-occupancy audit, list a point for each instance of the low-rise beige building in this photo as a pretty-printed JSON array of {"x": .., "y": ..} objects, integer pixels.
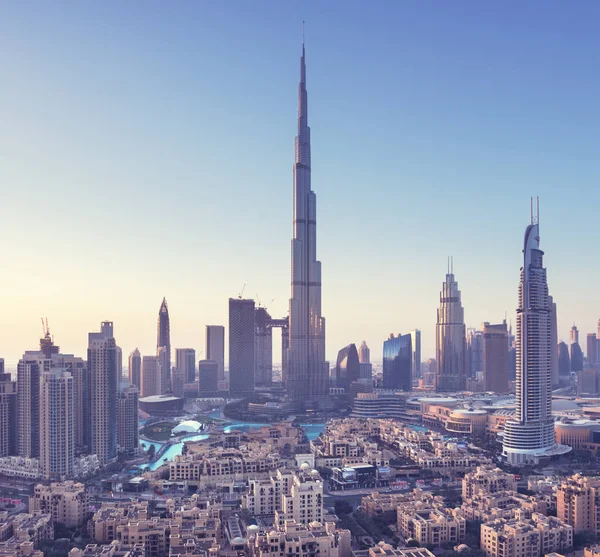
[
  {"x": 487, "y": 479},
  {"x": 66, "y": 502},
  {"x": 578, "y": 503},
  {"x": 301, "y": 540},
  {"x": 431, "y": 526},
  {"x": 533, "y": 537},
  {"x": 486, "y": 507},
  {"x": 376, "y": 504}
]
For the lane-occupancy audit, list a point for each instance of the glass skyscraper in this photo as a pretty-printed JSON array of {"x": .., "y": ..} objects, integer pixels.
[{"x": 397, "y": 362}]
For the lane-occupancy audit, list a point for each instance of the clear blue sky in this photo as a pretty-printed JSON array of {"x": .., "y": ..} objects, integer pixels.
[{"x": 147, "y": 148}]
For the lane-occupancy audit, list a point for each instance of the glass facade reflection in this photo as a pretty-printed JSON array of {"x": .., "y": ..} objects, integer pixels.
[
  {"x": 347, "y": 367},
  {"x": 397, "y": 362}
]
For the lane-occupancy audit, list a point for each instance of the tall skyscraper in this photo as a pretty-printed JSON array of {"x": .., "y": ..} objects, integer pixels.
[
  {"x": 307, "y": 369},
  {"x": 450, "y": 338},
  {"x": 102, "y": 365},
  {"x": 495, "y": 357},
  {"x": 208, "y": 378},
  {"x": 8, "y": 413},
  {"x": 135, "y": 368},
  {"x": 119, "y": 364},
  {"x": 554, "y": 343},
  {"x": 263, "y": 347},
  {"x": 215, "y": 347},
  {"x": 592, "y": 349},
  {"x": 397, "y": 362},
  {"x": 128, "y": 437},
  {"x": 474, "y": 354},
  {"x": 28, "y": 406},
  {"x": 364, "y": 354},
  {"x": 564, "y": 360},
  {"x": 415, "y": 339},
  {"x": 163, "y": 338},
  {"x": 241, "y": 347},
  {"x": 530, "y": 435},
  {"x": 185, "y": 362},
  {"x": 57, "y": 433},
  {"x": 576, "y": 352},
  {"x": 151, "y": 376},
  {"x": 347, "y": 367}
]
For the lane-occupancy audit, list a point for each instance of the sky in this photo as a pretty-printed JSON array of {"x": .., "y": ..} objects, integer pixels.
[{"x": 146, "y": 150}]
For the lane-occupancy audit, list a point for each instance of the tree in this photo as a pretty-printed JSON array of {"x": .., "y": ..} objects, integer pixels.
[
  {"x": 151, "y": 452},
  {"x": 342, "y": 507}
]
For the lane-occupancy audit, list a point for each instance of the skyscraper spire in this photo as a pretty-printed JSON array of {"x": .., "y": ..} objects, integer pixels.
[{"x": 307, "y": 370}]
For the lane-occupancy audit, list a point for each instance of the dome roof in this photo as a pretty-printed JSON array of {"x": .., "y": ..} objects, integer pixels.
[
  {"x": 562, "y": 405},
  {"x": 238, "y": 541},
  {"x": 187, "y": 426}
]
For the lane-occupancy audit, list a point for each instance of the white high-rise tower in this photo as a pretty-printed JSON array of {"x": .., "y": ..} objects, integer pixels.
[
  {"x": 530, "y": 435},
  {"x": 307, "y": 370}
]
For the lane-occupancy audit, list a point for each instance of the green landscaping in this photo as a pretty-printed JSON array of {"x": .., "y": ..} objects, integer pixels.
[{"x": 160, "y": 431}]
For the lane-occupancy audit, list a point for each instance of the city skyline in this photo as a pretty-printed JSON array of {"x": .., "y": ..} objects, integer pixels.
[{"x": 113, "y": 253}]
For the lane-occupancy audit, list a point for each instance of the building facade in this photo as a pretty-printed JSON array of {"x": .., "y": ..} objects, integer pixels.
[
  {"x": 185, "y": 363},
  {"x": 307, "y": 368},
  {"x": 263, "y": 347},
  {"x": 215, "y": 347},
  {"x": 347, "y": 367},
  {"x": 208, "y": 377},
  {"x": 450, "y": 339},
  {"x": 102, "y": 364},
  {"x": 397, "y": 362},
  {"x": 28, "y": 406},
  {"x": 135, "y": 369},
  {"x": 163, "y": 340},
  {"x": 495, "y": 357},
  {"x": 151, "y": 376},
  {"x": 530, "y": 435},
  {"x": 8, "y": 413},
  {"x": 57, "y": 424},
  {"x": 241, "y": 347},
  {"x": 128, "y": 436}
]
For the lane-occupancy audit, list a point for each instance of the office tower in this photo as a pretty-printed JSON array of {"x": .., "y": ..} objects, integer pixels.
[
  {"x": 102, "y": 363},
  {"x": 554, "y": 343},
  {"x": 215, "y": 347},
  {"x": 177, "y": 382},
  {"x": 8, "y": 413},
  {"x": 592, "y": 349},
  {"x": 415, "y": 339},
  {"x": 128, "y": 436},
  {"x": 57, "y": 434},
  {"x": 397, "y": 362},
  {"x": 165, "y": 377},
  {"x": 263, "y": 347},
  {"x": 135, "y": 368},
  {"x": 576, "y": 352},
  {"x": 450, "y": 338},
  {"x": 495, "y": 357},
  {"x": 474, "y": 355},
  {"x": 307, "y": 369},
  {"x": 364, "y": 354},
  {"x": 163, "y": 338},
  {"x": 208, "y": 377},
  {"x": 151, "y": 376},
  {"x": 241, "y": 347},
  {"x": 588, "y": 382},
  {"x": 28, "y": 407},
  {"x": 185, "y": 362},
  {"x": 530, "y": 435},
  {"x": 564, "y": 360},
  {"x": 347, "y": 367}
]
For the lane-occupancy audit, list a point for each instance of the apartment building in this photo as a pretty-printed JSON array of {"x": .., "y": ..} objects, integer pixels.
[
  {"x": 487, "y": 479},
  {"x": 431, "y": 526},
  {"x": 578, "y": 503},
  {"x": 66, "y": 502}
]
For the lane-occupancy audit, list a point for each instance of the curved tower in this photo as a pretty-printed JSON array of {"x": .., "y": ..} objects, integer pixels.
[
  {"x": 530, "y": 435},
  {"x": 450, "y": 338},
  {"x": 307, "y": 371}
]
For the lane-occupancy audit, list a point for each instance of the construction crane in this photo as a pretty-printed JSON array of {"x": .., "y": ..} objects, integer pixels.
[{"x": 242, "y": 292}]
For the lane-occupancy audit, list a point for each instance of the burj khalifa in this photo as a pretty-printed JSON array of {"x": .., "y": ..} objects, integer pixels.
[{"x": 307, "y": 372}]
